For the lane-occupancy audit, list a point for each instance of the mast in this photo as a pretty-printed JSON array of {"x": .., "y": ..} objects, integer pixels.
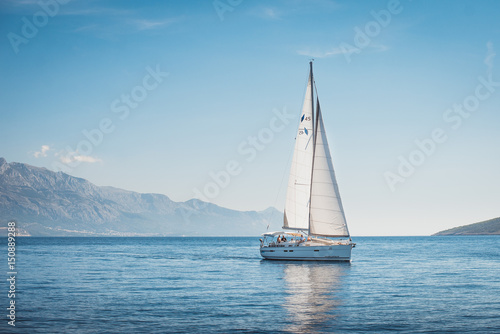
[
  {"x": 314, "y": 126},
  {"x": 312, "y": 94}
]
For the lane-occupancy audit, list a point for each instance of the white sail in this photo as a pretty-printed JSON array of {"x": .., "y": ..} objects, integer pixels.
[
  {"x": 327, "y": 213},
  {"x": 299, "y": 183}
]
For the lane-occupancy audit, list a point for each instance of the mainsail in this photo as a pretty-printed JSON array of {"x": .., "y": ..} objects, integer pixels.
[
  {"x": 299, "y": 182},
  {"x": 313, "y": 200}
]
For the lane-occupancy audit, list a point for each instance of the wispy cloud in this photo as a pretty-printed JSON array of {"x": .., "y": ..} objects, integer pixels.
[
  {"x": 316, "y": 53},
  {"x": 130, "y": 23},
  {"x": 320, "y": 54},
  {"x": 269, "y": 13},
  {"x": 70, "y": 157},
  {"x": 95, "y": 11},
  {"x": 145, "y": 24},
  {"x": 22, "y": 2},
  {"x": 43, "y": 152},
  {"x": 88, "y": 27},
  {"x": 490, "y": 55},
  {"x": 283, "y": 9},
  {"x": 20, "y": 7}
]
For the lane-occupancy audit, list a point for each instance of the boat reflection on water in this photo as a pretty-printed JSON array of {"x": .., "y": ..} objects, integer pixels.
[{"x": 311, "y": 295}]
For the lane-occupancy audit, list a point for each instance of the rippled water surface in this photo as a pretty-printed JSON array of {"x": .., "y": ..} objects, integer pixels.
[{"x": 203, "y": 285}]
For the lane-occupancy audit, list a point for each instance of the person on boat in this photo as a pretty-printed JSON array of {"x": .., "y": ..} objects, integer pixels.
[
  {"x": 283, "y": 239},
  {"x": 279, "y": 238}
]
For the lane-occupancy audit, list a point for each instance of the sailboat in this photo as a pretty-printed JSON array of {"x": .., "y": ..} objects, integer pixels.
[{"x": 314, "y": 222}]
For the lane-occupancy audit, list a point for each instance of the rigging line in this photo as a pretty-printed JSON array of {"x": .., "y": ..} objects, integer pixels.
[
  {"x": 316, "y": 89},
  {"x": 308, "y": 141}
]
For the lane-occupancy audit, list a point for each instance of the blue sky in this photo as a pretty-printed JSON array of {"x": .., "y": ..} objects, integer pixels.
[{"x": 388, "y": 75}]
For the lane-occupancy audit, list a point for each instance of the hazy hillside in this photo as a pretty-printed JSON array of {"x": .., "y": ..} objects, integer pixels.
[
  {"x": 46, "y": 203},
  {"x": 488, "y": 227}
]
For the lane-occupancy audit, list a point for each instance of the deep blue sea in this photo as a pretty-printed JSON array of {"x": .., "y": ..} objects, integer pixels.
[{"x": 221, "y": 285}]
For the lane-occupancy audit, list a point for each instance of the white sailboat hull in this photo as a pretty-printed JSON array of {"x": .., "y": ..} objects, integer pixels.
[{"x": 339, "y": 252}]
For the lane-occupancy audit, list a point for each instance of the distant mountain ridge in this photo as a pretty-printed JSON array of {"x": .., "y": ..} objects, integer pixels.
[
  {"x": 47, "y": 203},
  {"x": 488, "y": 227}
]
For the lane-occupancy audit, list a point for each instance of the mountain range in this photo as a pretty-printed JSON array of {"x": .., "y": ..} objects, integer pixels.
[
  {"x": 488, "y": 227},
  {"x": 47, "y": 203}
]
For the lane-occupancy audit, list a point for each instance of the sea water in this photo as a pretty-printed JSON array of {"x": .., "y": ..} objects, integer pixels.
[{"x": 221, "y": 285}]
